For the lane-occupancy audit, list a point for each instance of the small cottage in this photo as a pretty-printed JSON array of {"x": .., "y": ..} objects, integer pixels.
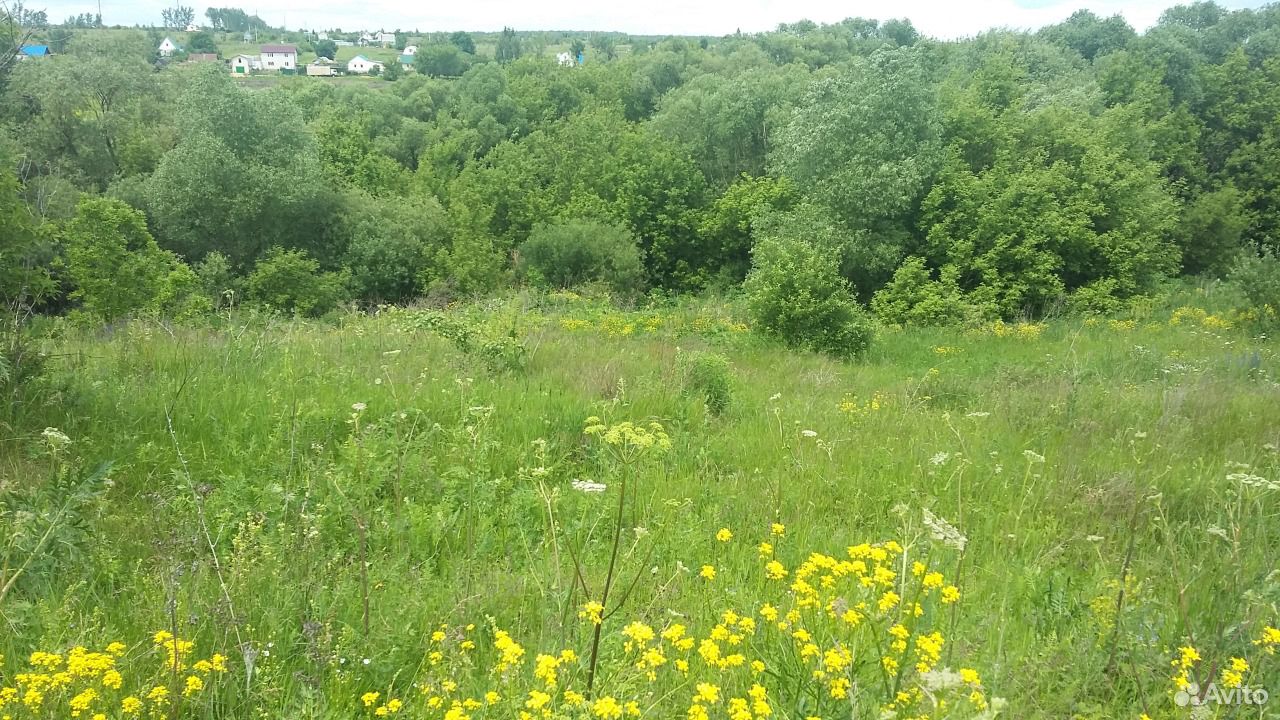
[
  {"x": 361, "y": 65},
  {"x": 167, "y": 48},
  {"x": 242, "y": 64}
]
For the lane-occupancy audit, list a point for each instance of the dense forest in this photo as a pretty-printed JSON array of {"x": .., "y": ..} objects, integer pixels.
[{"x": 1012, "y": 174}]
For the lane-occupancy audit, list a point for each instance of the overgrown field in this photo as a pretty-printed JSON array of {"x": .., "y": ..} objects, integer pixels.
[{"x": 416, "y": 513}]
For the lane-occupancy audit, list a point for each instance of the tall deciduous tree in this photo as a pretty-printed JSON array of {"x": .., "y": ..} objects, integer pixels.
[
  {"x": 243, "y": 177},
  {"x": 509, "y": 47},
  {"x": 865, "y": 144}
]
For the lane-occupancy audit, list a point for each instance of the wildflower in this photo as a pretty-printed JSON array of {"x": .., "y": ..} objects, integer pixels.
[
  {"x": 638, "y": 633},
  {"x": 510, "y": 651},
  {"x": 493, "y": 698},
  {"x": 193, "y": 685},
  {"x": 774, "y": 570},
  {"x": 131, "y": 705},
  {"x": 158, "y": 695},
  {"x": 708, "y": 572},
  {"x": 545, "y": 670},
  {"x": 888, "y": 601},
  {"x": 778, "y": 529},
  {"x": 970, "y": 676},
  {"x": 588, "y": 486},
  {"x": 55, "y": 438},
  {"x": 766, "y": 549},
  {"x": 606, "y": 708},
  {"x": 708, "y": 693},
  {"x": 1269, "y": 640},
  {"x": 724, "y": 535},
  {"x": 537, "y": 700},
  {"x": 890, "y": 665},
  {"x": 370, "y": 698},
  {"x": 81, "y": 702},
  {"x": 950, "y": 594}
]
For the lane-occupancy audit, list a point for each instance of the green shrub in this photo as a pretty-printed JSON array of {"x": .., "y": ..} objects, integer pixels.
[
  {"x": 180, "y": 295},
  {"x": 575, "y": 252},
  {"x": 291, "y": 281},
  {"x": 116, "y": 266},
  {"x": 795, "y": 293},
  {"x": 217, "y": 280},
  {"x": 913, "y": 297},
  {"x": 1258, "y": 277},
  {"x": 392, "y": 244},
  {"x": 709, "y": 375}
]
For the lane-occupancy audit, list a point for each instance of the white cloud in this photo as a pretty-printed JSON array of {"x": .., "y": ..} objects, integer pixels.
[{"x": 938, "y": 18}]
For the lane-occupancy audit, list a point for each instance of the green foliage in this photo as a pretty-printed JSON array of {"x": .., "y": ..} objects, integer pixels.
[
  {"x": 25, "y": 281},
  {"x": 729, "y": 220},
  {"x": 1258, "y": 277},
  {"x": 708, "y": 375},
  {"x": 498, "y": 351},
  {"x": 574, "y": 252},
  {"x": 509, "y": 47},
  {"x": 326, "y": 49},
  {"x": 393, "y": 245},
  {"x": 243, "y": 177},
  {"x": 865, "y": 144},
  {"x": 204, "y": 42},
  {"x": 594, "y": 165},
  {"x": 915, "y": 297},
  {"x": 724, "y": 122},
  {"x": 113, "y": 262},
  {"x": 1090, "y": 35},
  {"x": 1063, "y": 206},
  {"x": 441, "y": 60},
  {"x": 78, "y": 112},
  {"x": 290, "y": 281},
  {"x": 1211, "y": 231},
  {"x": 23, "y": 278},
  {"x": 464, "y": 42},
  {"x": 217, "y": 280},
  {"x": 795, "y": 293}
]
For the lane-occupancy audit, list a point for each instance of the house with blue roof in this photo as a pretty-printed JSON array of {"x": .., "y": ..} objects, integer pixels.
[{"x": 27, "y": 51}]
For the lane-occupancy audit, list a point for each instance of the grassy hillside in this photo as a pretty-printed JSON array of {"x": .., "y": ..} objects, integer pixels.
[{"x": 372, "y": 506}]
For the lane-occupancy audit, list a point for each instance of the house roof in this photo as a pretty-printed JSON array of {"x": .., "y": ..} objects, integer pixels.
[
  {"x": 359, "y": 57},
  {"x": 35, "y": 50},
  {"x": 407, "y": 59},
  {"x": 280, "y": 49}
]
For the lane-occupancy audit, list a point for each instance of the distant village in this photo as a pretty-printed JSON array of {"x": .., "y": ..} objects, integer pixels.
[{"x": 283, "y": 58}]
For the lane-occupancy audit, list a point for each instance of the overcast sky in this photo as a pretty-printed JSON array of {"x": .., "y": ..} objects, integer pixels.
[{"x": 938, "y": 18}]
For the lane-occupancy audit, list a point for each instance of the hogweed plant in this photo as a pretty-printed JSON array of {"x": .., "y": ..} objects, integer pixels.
[{"x": 624, "y": 445}]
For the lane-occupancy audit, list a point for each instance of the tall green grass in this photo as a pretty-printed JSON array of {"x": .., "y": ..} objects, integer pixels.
[{"x": 1116, "y": 481}]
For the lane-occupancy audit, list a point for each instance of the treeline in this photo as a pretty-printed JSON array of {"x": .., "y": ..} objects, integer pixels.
[{"x": 1011, "y": 174}]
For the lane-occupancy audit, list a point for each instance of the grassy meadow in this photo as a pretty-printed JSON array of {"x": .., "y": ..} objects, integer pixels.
[{"x": 417, "y": 513}]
